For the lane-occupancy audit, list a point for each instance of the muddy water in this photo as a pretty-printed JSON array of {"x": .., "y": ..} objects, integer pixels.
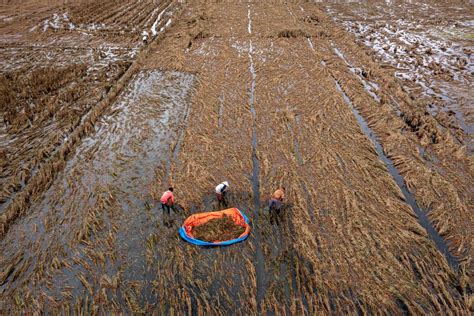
[
  {"x": 433, "y": 56},
  {"x": 132, "y": 141},
  {"x": 19, "y": 58},
  {"x": 116, "y": 165},
  {"x": 255, "y": 177},
  {"x": 370, "y": 87}
]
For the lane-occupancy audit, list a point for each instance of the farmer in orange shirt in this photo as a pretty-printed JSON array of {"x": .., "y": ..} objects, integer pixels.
[
  {"x": 276, "y": 202},
  {"x": 279, "y": 194},
  {"x": 167, "y": 200}
]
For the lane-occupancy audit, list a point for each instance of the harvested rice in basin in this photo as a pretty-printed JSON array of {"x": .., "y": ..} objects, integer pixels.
[{"x": 219, "y": 229}]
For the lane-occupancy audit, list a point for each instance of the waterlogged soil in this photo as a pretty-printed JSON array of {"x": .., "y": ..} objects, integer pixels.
[
  {"x": 102, "y": 196},
  {"x": 378, "y": 192},
  {"x": 406, "y": 39},
  {"x": 430, "y": 47},
  {"x": 59, "y": 62}
]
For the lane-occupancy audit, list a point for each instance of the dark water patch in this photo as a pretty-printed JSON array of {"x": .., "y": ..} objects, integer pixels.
[
  {"x": 255, "y": 175},
  {"x": 370, "y": 87},
  {"x": 128, "y": 144},
  {"x": 255, "y": 179},
  {"x": 177, "y": 97}
]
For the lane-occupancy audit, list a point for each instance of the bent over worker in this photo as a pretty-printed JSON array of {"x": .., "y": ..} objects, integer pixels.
[
  {"x": 276, "y": 202},
  {"x": 167, "y": 200},
  {"x": 279, "y": 194},
  {"x": 221, "y": 193}
]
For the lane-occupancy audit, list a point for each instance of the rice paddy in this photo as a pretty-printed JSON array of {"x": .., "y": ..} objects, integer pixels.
[{"x": 377, "y": 216}]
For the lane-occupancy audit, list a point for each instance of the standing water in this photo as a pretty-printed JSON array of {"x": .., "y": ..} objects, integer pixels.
[
  {"x": 259, "y": 258},
  {"x": 108, "y": 178}
]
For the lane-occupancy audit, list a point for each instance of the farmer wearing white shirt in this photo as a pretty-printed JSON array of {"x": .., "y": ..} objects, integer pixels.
[{"x": 221, "y": 191}]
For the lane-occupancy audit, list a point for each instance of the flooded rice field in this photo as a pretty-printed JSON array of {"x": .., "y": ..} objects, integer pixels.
[
  {"x": 430, "y": 47},
  {"x": 107, "y": 104}
]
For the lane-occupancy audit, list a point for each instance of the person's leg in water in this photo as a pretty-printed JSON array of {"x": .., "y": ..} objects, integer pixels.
[
  {"x": 167, "y": 220},
  {"x": 278, "y": 213},
  {"x": 166, "y": 208},
  {"x": 224, "y": 199},
  {"x": 219, "y": 198},
  {"x": 166, "y": 215},
  {"x": 276, "y": 210},
  {"x": 271, "y": 211}
]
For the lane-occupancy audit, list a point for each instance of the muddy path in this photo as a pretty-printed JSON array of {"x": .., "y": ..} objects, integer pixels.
[{"x": 262, "y": 95}]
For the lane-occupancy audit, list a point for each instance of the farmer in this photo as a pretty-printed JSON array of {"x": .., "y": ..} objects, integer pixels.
[
  {"x": 221, "y": 192},
  {"x": 167, "y": 200},
  {"x": 276, "y": 202}
]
